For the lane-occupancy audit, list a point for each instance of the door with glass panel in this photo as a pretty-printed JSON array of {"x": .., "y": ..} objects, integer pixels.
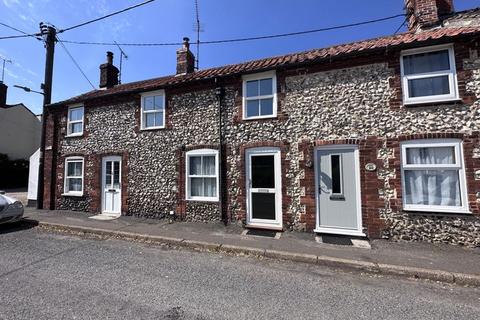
[
  {"x": 111, "y": 186},
  {"x": 263, "y": 173},
  {"x": 338, "y": 193}
]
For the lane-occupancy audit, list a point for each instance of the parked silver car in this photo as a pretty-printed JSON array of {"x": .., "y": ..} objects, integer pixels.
[{"x": 11, "y": 210}]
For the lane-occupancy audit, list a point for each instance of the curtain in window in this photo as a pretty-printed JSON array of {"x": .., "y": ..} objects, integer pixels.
[
  {"x": 432, "y": 187},
  {"x": 208, "y": 165},
  {"x": 426, "y": 62},
  {"x": 74, "y": 184},
  {"x": 196, "y": 187},
  {"x": 195, "y": 165},
  {"x": 436, "y": 155},
  {"x": 210, "y": 186}
]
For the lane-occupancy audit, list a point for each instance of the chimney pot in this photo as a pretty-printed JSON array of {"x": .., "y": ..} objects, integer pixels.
[
  {"x": 109, "y": 57},
  {"x": 186, "y": 43}
]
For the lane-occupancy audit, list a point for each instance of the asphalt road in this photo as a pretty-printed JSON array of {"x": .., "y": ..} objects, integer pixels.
[{"x": 50, "y": 276}]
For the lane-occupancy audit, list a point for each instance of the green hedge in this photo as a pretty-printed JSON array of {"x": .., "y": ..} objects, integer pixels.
[{"x": 13, "y": 173}]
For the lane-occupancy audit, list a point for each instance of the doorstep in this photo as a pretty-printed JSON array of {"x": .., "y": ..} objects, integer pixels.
[{"x": 263, "y": 227}]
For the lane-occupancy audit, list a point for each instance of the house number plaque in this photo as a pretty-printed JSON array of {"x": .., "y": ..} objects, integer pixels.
[{"x": 370, "y": 166}]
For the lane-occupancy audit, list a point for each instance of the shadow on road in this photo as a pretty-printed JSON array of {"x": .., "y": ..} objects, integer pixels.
[{"x": 21, "y": 225}]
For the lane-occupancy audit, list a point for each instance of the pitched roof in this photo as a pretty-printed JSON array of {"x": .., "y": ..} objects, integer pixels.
[{"x": 315, "y": 55}]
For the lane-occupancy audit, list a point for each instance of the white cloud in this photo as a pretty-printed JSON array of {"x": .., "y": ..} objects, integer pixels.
[
  {"x": 9, "y": 73},
  {"x": 10, "y": 3}
]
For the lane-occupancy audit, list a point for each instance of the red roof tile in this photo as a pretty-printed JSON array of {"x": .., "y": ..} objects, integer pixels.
[{"x": 314, "y": 55}]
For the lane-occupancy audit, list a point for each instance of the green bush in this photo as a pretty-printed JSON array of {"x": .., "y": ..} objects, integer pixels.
[{"x": 13, "y": 173}]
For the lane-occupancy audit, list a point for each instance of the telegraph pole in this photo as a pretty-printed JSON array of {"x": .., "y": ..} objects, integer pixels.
[{"x": 49, "y": 34}]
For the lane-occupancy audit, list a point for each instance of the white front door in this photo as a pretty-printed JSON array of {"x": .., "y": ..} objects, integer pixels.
[
  {"x": 338, "y": 190},
  {"x": 263, "y": 186},
  {"x": 111, "y": 186}
]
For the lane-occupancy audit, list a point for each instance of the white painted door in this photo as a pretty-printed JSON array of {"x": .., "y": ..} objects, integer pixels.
[
  {"x": 263, "y": 180},
  {"x": 338, "y": 190},
  {"x": 111, "y": 186}
]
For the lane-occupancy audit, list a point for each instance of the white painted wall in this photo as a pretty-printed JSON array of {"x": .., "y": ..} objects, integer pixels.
[
  {"x": 20, "y": 132},
  {"x": 33, "y": 175}
]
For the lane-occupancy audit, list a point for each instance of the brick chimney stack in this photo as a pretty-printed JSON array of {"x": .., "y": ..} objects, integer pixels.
[
  {"x": 3, "y": 94},
  {"x": 185, "y": 58},
  {"x": 108, "y": 73},
  {"x": 423, "y": 14}
]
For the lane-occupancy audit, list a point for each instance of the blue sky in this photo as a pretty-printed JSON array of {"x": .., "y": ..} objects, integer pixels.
[{"x": 170, "y": 21}]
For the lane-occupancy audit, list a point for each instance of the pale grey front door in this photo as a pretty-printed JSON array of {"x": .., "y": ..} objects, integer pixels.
[{"x": 338, "y": 194}]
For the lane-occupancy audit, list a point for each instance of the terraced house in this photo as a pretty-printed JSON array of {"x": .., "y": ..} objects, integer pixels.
[{"x": 377, "y": 138}]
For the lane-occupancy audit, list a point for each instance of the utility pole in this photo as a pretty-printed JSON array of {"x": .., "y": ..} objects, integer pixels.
[{"x": 49, "y": 35}]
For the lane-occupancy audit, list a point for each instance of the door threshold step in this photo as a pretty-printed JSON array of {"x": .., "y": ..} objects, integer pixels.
[
  {"x": 262, "y": 233},
  {"x": 104, "y": 217},
  {"x": 342, "y": 240}
]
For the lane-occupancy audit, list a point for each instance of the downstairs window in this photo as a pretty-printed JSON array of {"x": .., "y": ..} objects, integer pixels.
[
  {"x": 433, "y": 176},
  {"x": 202, "y": 175},
  {"x": 73, "y": 176}
]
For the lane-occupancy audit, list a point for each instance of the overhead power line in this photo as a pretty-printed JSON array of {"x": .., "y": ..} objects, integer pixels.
[
  {"x": 106, "y": 16},
  {"x": 75, "y": 62},
  {"x": 19, "y": 36},
  {"x": 25, "y": 34},
  {"x": 280, "y": 35}
]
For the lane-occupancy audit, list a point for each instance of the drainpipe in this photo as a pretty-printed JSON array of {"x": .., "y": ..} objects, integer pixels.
[{"x": 219, "y": 92}]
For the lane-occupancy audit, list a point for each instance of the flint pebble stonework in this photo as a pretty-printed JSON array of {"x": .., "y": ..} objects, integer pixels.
[{"x": 340, "y": 104}]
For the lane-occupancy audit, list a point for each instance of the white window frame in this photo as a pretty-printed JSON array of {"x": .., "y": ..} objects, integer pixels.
[
  {"x": 69, "y": 122},
  {"x": 197, "y": 153},
  {"x": 144, "y": 112},
  {"x": 459, "y": 165},
  {"x": 73, "y": 193},
  {"x": 260, "y": 76},
  {"x": 452, "y": 76}
]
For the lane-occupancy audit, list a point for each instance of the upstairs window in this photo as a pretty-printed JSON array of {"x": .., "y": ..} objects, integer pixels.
[
  {"x": 433, "y": 176},
  {"x": 202, "y": 175},
  {"x": 153, "y": 110},
  {"x": 73, "y": 176},
  {"x": 429, "y": 75},
  {"x": 260, "y": 96},
  {"x": 75, "y": 121}
]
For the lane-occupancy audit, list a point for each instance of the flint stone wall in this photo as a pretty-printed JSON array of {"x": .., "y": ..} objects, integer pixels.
[{"x": 351, "y": 103}]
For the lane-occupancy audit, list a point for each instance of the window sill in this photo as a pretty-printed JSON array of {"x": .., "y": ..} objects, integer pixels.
[
  {"x": 75, "y": 135},
  {"x": 72, "y": 194},
  {"x": 260, "y": 118},
  {"x": 432, "y": 102},
  {"x": 432, "y": 211},
  {"x": 152, "y": 128},
  {"x": 210, "y": 200}
]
